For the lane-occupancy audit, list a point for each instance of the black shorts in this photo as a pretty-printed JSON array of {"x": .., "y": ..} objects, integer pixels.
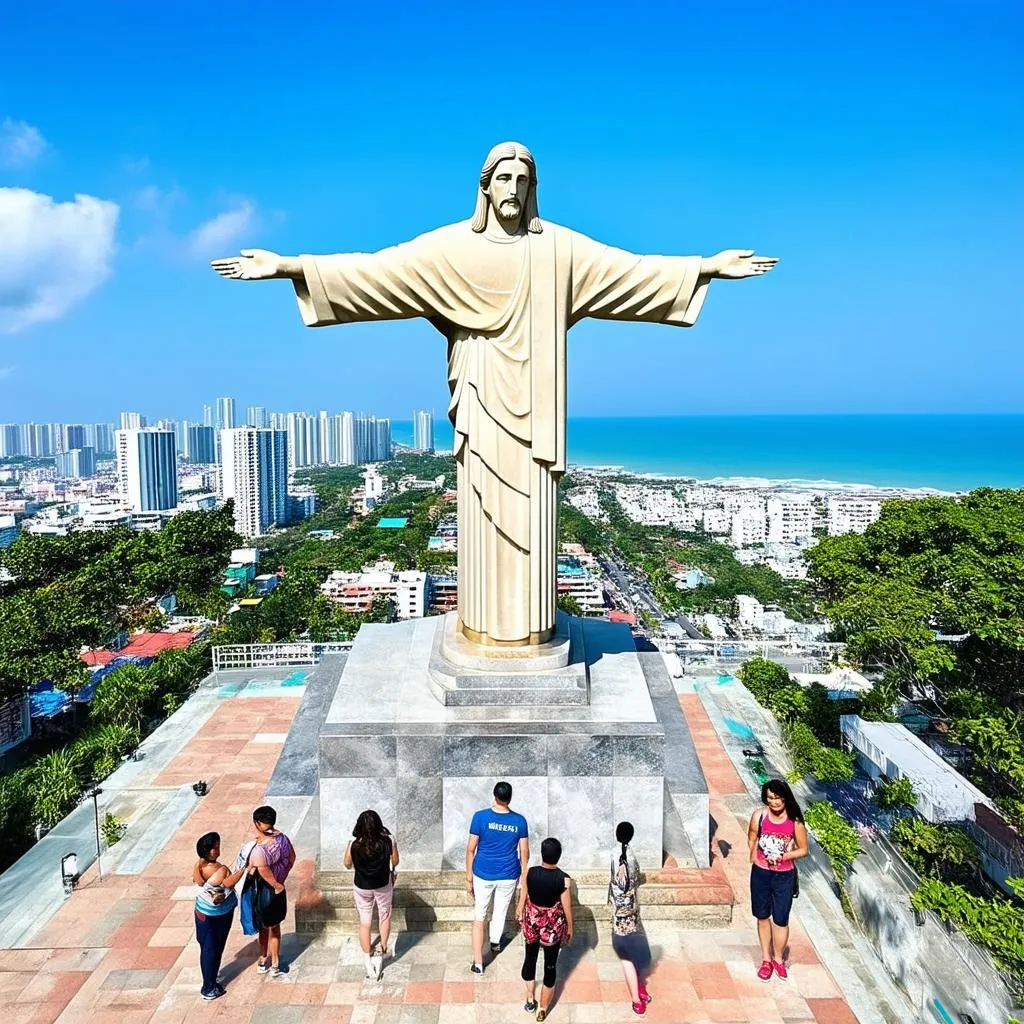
[
  {"x": 771, "y": 894},
  {"x": 274, "y": 911}
]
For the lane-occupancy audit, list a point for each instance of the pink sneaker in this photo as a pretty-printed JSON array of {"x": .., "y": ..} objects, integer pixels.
[
  {"x": 780, "y": 970},
  {"x": 764, "y": 972},
  {"x": 640, "y": 1008},
  {"x": 645, "y": 996}
]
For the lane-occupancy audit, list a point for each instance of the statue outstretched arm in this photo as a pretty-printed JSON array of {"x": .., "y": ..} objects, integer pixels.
[
  {"x": 612, "y": 284},
  {"x": 258, "y": 265}
]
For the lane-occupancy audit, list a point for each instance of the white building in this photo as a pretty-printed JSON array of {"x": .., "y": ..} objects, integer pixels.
[
  {"x": 749, "y": 527},
  {"x": 224, "y": 411},
  {"x": 356, "y": 591},
  {"x": 790, "y": 518},
  {"x": 76, "y": 463},
  {"x": 256, "y": 416},
  {"x": 423, "y": 430},
  {"x": 254, "y": 473},
  {"x": 749, "y": 612},
  {"x": 147, "y": 468},
  {"x": 851, "y": 514},
  {"x": 132, "y": 421}
]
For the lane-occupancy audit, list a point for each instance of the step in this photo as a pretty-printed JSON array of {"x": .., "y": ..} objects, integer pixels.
[{"x": 437, "y": 901}]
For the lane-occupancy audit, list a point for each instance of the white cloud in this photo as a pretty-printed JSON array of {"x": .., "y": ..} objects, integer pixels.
[
  {"x": 228, "y": 227},
  {"x": 52, "y": 255},
  {"x": 21, "y": 144},
  {"x": 158, "y": 201}
]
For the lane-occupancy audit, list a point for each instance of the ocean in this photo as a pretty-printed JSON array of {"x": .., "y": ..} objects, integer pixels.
[{"x": 947, "y": 453}]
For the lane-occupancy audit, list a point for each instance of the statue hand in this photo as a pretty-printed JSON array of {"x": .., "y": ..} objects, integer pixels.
[
  {"x": 251, "y": 265},
  {"x": 733, "y": 264}
]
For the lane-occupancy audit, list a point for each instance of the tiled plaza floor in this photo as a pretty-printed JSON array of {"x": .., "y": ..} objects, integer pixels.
[{"x": 123, "y": 950}]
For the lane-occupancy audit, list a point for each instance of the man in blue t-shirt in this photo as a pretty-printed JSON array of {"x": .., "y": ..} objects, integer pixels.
[{"x": 497, "y": 857}]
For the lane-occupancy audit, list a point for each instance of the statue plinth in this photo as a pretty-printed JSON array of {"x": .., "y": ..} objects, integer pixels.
[{"x": 464, "y": 673}]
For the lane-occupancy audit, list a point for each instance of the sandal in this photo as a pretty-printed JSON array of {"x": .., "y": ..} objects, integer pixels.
[{"x": 542, "y": 1015}]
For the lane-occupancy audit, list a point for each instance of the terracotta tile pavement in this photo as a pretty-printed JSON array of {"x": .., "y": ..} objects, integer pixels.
[{"x": 123, "y": 950}]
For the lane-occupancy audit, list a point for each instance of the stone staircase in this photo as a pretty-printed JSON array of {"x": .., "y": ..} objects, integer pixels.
[{"x": 436, "y": 901}]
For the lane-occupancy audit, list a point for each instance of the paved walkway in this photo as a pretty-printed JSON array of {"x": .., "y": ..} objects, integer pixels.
[{"x": 123, "y": 950}]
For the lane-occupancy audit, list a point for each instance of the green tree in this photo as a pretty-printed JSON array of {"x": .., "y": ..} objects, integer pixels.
[
  {"x": 125, "y": 697},
  {"x": 57, "y": 781}
]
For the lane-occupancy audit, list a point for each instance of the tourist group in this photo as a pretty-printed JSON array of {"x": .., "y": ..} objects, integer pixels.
[{"x": 497, "y": 865}]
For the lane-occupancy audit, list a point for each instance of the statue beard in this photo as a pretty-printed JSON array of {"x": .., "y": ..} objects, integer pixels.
[{"x": 509, "y": 211}]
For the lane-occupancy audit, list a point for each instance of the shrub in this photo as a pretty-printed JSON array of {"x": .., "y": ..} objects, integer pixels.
[
  {"x": 895, "y": 793},
  {"x": 100, "y": 749},
  {"x": 16, "y": 802},
  {"x": 997, "y": 923},
  {"x": 937, "y": 851},
  {"x": 839, "y": 841},
  {"x": 810, "y": 757},
  {"x": 125, "y": 697},
  {"x": 57, "y": 781},
  {"x": 113, "y": 829}
]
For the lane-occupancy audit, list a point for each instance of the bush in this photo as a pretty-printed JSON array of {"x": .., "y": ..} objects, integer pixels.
[
  {"x": 810, "y": 757},
  {"x": 16, "y": 803},
  {"x": 57, "y": 781},
  {"x": 839, "y": 841},
  {"x": 937, "y": 851},
  {"x": 125, "y": 697},
  {"x": 997, "y": 924},
  {"x": 113, "y": 829},
  {"x": 895, "y": 793},
  {"x": 99, "y": 750}
]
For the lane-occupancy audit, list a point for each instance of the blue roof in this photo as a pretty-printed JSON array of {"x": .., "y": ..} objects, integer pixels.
[{"x": 392, "y": 524}]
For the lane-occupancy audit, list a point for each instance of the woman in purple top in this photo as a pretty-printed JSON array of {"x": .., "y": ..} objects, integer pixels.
[{"x": 272, "y": 857}]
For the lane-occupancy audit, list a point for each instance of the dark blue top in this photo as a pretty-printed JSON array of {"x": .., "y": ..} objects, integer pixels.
[{"x": 497, "y": 854}]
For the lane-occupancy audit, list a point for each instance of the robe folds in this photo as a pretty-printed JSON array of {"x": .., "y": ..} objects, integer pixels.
[{"x": 505, "y": 308}]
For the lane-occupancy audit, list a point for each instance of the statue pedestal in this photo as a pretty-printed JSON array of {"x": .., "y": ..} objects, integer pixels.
[
  {"x": 465, "y": 674},
  {"x": 425, "y": 767}
]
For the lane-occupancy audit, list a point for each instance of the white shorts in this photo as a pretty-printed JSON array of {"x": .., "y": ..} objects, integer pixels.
[{"x": 502, "y": 890}]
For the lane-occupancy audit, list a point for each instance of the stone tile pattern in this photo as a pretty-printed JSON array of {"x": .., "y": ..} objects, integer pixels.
[{"x": 124, "y": 951}]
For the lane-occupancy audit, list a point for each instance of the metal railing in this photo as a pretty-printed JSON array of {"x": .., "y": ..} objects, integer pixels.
[{"x": 247, "y": 656}]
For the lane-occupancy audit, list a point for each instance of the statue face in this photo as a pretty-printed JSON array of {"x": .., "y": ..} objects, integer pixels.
[{"x": 508, "y": 188}]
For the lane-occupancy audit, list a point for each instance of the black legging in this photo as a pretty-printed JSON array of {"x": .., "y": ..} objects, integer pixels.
[{"x": 550, "y": 959}]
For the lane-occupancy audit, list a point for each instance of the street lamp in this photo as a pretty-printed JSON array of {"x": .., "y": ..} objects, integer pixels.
[
  {"x": 69, "y": 872},
  {"x": 94, "y": 793}
]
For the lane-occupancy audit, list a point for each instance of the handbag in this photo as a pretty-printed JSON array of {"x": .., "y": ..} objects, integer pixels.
[{"x": 796, "y": 873}]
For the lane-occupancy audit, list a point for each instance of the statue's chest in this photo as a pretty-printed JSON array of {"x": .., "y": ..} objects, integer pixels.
[{"x": 496, "y": 267}]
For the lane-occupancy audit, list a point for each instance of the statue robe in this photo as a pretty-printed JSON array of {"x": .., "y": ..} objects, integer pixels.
[{"x": 505, "y": 308}]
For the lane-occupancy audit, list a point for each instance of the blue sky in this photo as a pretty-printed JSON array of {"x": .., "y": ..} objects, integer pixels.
[{"x": 878, "y": 150}]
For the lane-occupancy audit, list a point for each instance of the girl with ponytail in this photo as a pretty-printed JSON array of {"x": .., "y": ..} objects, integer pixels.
[{"x": 628, "y": 939}]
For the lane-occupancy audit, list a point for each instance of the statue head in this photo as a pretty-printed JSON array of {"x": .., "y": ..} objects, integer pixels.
[{"x": 508, "y": 183}]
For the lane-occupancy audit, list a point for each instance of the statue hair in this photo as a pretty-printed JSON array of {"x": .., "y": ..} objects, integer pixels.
[{"x": 507, "y": 151}]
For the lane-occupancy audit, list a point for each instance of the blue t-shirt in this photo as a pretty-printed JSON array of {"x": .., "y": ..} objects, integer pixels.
[{"x": 497, "y": 854}]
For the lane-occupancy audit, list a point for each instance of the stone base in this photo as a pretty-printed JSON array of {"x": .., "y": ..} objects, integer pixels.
[
  {"x": 464, "y": 673},
  {"x": 576, "y": 770}
]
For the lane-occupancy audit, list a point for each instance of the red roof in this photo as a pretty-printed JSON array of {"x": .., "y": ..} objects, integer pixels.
[
  {"x": 145, "y": 644},
  {"x": 619, "y": 616}
]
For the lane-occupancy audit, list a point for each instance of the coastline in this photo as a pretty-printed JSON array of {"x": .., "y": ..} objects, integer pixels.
[{"x": 923, "y": 454}]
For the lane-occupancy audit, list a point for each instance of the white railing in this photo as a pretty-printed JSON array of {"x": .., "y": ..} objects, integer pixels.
[{"x": 246, "y": 656}]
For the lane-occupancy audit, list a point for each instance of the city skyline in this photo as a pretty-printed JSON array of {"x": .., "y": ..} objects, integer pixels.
[{"x": 882, "y": 166}]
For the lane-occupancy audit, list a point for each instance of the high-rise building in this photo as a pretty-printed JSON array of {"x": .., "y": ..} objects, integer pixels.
[
  {"x": 35, "y": 440},
  {"x": 201, "y": 447},
  {"x": 147, "y": 469},
  {"x": 372, "y": 439},
  {"x": 423, "y": 430},
  {"x": 207, "y": 415},
  {"x": 343, "y": 439},
  {"x": 254, "y": 472},
  {"x": 10, "y": 440},
  {"x": 77, "y": 463},
  {"x": 133, "y": 421},
  {"x": 256, "y": 416},
  {"x": 100, "y": 436},
  {"x": 225, "y": 413},
  {"x": 74, "y": 437},
  {"x": 303, "y": 440}
]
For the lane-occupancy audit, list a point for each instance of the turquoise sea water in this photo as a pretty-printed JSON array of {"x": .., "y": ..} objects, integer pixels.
[{"x": 944, "y": 452}]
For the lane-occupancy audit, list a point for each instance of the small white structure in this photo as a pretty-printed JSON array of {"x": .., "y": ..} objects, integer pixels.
[
  {"x": 889, "y": 749},
  {"x": 749, "y": 612},
  {"x": 841, "y": 683}
]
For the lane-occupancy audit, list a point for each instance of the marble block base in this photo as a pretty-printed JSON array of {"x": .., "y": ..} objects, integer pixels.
[
  {"x": 576, "y": 770},
  {"x": 464, "y": 673}
]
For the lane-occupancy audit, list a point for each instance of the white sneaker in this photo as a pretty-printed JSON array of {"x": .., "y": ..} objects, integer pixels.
[
  {"x": 371, "y": 970},
  {"x": 378, "y": 966}
]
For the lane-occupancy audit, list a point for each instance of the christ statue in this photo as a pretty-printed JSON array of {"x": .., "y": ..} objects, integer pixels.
[{"x": 503, "y": 288}]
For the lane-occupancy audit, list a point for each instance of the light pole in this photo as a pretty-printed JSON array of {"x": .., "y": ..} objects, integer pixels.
[{"x": 95, "y": 793}]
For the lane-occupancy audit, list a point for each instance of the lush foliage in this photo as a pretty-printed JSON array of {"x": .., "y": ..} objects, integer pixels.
[
  {"x": 952, "y": 565},
  {"x": 896, "y": 793},
  {"x": 838, "y": 840},
  {"x": 996, "y": 923},
  {"x": 810, "y": 720},
  {"x": 937, "y": 850},
  {"x": 82, "y": 589},
  {"x": 57, "y": 781},
  {"x": 112, "y": 829}
]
